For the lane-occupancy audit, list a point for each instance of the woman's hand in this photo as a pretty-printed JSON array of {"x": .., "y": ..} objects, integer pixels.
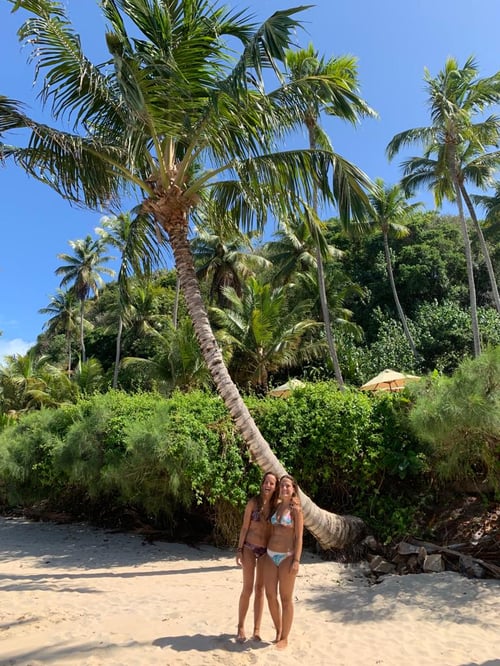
[
  {"x": 239, "y": 557},
  {"x": 294, "y": 566}
]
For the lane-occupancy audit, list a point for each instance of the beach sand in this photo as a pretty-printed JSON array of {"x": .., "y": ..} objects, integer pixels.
[{"x": 81, "y": 596}]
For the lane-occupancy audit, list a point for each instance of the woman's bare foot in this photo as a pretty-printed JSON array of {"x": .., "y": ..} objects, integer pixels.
[
  {"x": 278, "y": 636},
  {"x": 256, "y": 635},
  {"x": 282, "y": 644},
  {"x": 241, "y": 638}
]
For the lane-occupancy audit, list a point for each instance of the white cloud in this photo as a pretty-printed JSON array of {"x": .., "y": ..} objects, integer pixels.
[{"x": 15, "y": 346}]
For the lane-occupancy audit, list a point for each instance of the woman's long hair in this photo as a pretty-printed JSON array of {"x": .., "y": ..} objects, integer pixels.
[{"x": 273, "y": 500}]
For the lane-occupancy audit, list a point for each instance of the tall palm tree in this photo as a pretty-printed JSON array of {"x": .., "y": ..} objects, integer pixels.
[
  {"x": 173, "y": 114},
  {"x": 82, "y": 271},
  {"x": 64, "y": 319},
  {"x": 139, "y": 253},
  {"x": 456, "y": 95},
  {"x": 340, "y": 99},
  {"x": 390, "y": 212},
  {"x": 478, "y": 168}
]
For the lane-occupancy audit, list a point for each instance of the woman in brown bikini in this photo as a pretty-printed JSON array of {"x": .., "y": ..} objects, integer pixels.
[
  {"x": 281, "y": 564},
  {"x": 251, "y": 553}
]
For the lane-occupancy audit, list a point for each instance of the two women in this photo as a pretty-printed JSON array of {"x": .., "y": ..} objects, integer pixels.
[
  {"x": 276, "y": 546},
  {"x": 251, "y": 553}
]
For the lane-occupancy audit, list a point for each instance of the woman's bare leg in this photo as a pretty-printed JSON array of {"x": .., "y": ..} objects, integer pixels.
[
  {"x": 271, "y": 586},
  {"x": 286, "y": 585},
  {"x": 248, "y": 566},
  {"x": 258, "y": 604}
]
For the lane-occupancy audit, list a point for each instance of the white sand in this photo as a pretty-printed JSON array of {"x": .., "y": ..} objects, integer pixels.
[{"x": 74, "y": 595}]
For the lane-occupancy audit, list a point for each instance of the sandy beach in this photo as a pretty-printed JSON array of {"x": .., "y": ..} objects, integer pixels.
[{"x": 81, "y": 596}]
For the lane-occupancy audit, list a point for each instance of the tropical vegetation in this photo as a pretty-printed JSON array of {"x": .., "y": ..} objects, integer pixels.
[{"x": 152, "y": 393}]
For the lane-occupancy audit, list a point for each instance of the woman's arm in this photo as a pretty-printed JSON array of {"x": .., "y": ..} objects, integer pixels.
[{"x": 298, "y": 526}]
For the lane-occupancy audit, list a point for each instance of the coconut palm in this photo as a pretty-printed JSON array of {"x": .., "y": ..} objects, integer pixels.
[
  {"x": 264, "y": 332},
  {"x": 171, "y": 115},
  {"x": 456, "y": 95},
  {"x": 293, "y": 249},
  {"x": 82, "y": 271},
  {"x": 340, "y": 99},
  {"x": 64, "y": 319},
  {"x": 139, "y": 253},
  {"x": 18, "y": 375},
  {"x": 178, "y": 363},
  {"x": 339, "y": 287},
  {"x": 225, "y": 257},
  {"x": 478, "y": 168},
  {"x": 390, "y": 213}
]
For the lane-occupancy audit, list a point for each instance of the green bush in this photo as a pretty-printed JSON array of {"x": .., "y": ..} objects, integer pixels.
[
  {"x": 352, "y": 452},
  {"x": 460, "y": 417},
  {"x": 27, "y": 452}
]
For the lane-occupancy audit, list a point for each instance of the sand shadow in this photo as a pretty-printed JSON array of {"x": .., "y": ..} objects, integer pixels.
[{"x": 206, "y": 643}]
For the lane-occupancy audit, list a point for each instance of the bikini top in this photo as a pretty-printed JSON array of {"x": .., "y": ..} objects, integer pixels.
[
  {"x": 285, "y": 519},
  {"x": 256, "y": 516}
]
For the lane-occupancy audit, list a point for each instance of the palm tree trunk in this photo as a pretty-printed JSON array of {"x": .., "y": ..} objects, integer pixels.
[
  {"x": 332, "y": 347},
  {"x": 468, "y": 259},
  {"x": 331, "y": 530},
  {"x": 401, "y": 314},
  {"x": 484, "y": 247},
  {"x": 68, "y": 342},
  {"x": 118, "y": 352},
  {"x": 82, "y": 337},
  {"x": 325, "y": 312}
]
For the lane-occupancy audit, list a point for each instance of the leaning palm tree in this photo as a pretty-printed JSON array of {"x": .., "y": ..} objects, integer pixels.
[
  {"x": 171, "y": 115},
  {"x": 456, "y": 96},
  {"x": 390, "y": 212},
  {"x": 341, "y": 99},
  {"x": 82, "y": 271}
]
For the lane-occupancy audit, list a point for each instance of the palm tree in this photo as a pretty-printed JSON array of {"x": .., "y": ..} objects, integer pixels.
[
  {"x": 170, "y": 116},
  {"x": 456, "y": 95},
  {"x": 264, "y": 332},
  {"x": 82, "y": 271},
  {"x": 18, "y": 375},
  {"x": 224, "y": 256},
  {"x": 64, "y": 311},
  {"x": 293, "y": 250},
  {"x": 340, "y": 99},
  {"x": 390, "y": 213},
  {"x": 138, "y": 254},
  {"x": 477, "y": 167},
  {"x": 178, "y": 364}
]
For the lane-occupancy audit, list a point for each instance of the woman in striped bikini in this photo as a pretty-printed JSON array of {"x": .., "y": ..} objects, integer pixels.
[
  {"x": 251, "y": 552},
  {"x": 284, "y": 550}
]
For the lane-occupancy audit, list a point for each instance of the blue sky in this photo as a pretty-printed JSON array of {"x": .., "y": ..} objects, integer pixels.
[{"x": 393, "y": 42}]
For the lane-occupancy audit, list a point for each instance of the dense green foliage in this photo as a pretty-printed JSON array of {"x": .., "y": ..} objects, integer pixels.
[
  {"x": 168, "y": 457},
  {"x": 460, "y": 417}
]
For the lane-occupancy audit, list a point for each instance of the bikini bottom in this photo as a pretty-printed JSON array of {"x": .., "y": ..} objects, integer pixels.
[
  {"x": 278, "y": 558},
  {"x": 258, "y": 551}
]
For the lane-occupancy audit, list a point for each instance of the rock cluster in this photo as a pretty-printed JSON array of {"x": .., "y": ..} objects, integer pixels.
[{"x": 474, "y": 560}]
